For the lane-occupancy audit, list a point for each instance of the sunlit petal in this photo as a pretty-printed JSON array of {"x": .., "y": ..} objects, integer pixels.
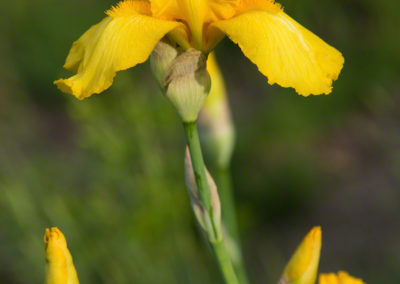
[
  {"x": 284, "y": 51},
  {"x": 120, "y": 41}
]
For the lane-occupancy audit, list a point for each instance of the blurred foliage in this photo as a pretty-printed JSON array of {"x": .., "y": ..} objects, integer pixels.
[{"x": 109, "y": 170}]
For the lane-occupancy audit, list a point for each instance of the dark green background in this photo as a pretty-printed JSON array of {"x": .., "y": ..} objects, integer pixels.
[{"x": 109, "y": 170}]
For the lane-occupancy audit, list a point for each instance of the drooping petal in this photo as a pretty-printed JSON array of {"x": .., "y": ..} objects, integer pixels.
[
  {"x": 59, "y": 265},
  {"x": 284, "y": 51},
  {"x": 303, "y": 266},
  {"x": 341, "y": 278},
  {"x": 122, "y": 40}
]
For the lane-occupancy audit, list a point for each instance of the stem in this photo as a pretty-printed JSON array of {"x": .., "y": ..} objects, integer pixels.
[
  {"x": 193, "y": 141},
  {"x": 215, "y": 236},
  {"x": 224, "y": 262},
  {"x": 224, "y": 184}
]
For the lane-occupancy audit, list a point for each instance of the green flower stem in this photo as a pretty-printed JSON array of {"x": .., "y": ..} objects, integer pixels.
[
  {"x": 225, "y": 189},
  {"x": 215, "y": 236},
  {"x": 193, "y": 141},
  {"x": 224, "y": 262}
]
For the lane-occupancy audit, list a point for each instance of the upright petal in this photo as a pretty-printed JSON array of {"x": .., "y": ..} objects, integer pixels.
[
  {"x": 283, "y": 50},
  {"x": 341, "y": 278},
  {"x": 59, "y": 265},
  {"x": 206, "y": 10},
  {"x": 195, "y": 13},
  {"x": 122, "y": 40},
  {"x": 303, "y": 266},
  {"x": 215, "y": 121},
  {"x": 166, "y": 9}
]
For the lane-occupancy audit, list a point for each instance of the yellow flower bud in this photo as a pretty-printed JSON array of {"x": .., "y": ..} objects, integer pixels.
[
  {"x": 187, "y": 84},
  {"x": 215, "y": 122},
  {"x": 59, "y": 265},
  {"x": 303, "y": 266},
  {"x": 341, "y": 277},
  {"x": 201, "y": 214}
]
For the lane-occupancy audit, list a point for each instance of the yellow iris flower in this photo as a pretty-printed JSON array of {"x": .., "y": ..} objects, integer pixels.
[
  {"x": 303, "y": 266},
  {"x": 283, "y": 50},
  {"x": 59, "y": 265}
]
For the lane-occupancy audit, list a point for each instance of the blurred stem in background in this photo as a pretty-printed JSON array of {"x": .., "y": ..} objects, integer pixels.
[
  {"x": 218, "y": 136},
  {"x": 232, "y": 236}
]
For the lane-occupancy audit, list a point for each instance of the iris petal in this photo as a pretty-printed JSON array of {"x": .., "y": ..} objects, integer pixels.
[
  {"x": 284, "y": 51},
  {"x": 122, "y": 40}
]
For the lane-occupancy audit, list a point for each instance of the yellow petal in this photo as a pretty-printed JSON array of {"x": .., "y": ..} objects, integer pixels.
[
  {"x": 222, "y": 9},
  {"x": 122, "y": 40},
  {"x": 59, "y": 265},
  {"x": 303, "y": 266},
  {"x": 195, "y": 13},
  {"x": 266, "y": 5},
  {"x": 166, "y": 9},
  {"x": 341, "y": 278},
  {"x": 218, "y": 89},
  {"x": 206, "y": 10},
  {"x": 284, "y": 51}
]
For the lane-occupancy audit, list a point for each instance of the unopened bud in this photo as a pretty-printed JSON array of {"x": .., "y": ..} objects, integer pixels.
[
  {"x": 161, "y": 58},
  {"x": 59, "y": 265},
  {"x": 200, "y": 211},
  {"x": 303, "y": 266},
  {"x": 187, "y": 83},
  {"x": 215, "y": 122}
]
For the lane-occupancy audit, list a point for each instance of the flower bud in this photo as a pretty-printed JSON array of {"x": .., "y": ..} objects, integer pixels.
[
  {"x": 342, "y": 277},
  {"x": 187, "y": 84},
  {"x": 161, "y": 58},
  {"x": 215, "y": 122},
  {"x": 303, "y": 266},
  {"x": 202, "y": 216},
  {"x": 59, "y": 265}
]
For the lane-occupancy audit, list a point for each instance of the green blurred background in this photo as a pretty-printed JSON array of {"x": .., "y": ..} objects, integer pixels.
[{"x": 108, "y": 171}]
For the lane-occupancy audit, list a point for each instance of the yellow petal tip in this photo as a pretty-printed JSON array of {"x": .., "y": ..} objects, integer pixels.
[
  {"x": 315, "y": 234},
  {"x": 303, "y": 265},
  {"x": 54, "y": 236},
  {"x": 67, "y": 86}
]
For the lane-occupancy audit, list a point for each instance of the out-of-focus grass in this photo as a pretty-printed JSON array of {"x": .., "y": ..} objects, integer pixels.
[{"x": 109, "y": 172}]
